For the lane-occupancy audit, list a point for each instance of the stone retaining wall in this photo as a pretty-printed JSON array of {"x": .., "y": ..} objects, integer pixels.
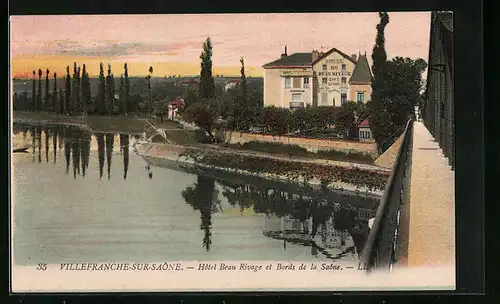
[{"x": 312, "y": 145}]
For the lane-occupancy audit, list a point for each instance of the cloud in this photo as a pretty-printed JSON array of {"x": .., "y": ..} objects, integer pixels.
[{"x": 114, "y": 49}]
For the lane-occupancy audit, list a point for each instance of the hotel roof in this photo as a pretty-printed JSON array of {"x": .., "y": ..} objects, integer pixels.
[
  {"x": 362, "y": 73},
  {"x": 294, "y": 60}
]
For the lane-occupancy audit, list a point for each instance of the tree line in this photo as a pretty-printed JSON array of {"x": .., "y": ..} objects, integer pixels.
[{"x": 76, "y": 98}]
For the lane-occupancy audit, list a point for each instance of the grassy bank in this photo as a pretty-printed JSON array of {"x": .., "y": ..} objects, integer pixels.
[
  {"x": 291, "y": 169},
  {"x": 295, "y": 150},
  {"x": 124, "y": 124}
]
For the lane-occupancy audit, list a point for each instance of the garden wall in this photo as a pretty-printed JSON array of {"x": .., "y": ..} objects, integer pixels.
[{"x": 312, "y": 145}]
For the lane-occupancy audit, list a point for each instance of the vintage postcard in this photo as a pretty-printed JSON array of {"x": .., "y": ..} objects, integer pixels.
[{"x": 232, "y": 152}]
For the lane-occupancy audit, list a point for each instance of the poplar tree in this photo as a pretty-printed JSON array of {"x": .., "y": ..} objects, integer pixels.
[
  {"x": 54, "y": 95},
  {"x": 67, "y": 93},
  {"x": 86, "y": 93},
  {"x": 101, "y": 92},
  {"x": 33, "y": 98},
  {"x": 39, "y": 96},
  {"x": 121, "y": 104},
  {"x": 207, "y": 85},
  {"x": 78, "y": 92},
  {"x": 110, "y": 92},
  {"x": 379, "y": 118},
  {"x": 243, "y": 84},
  {"x": 126, "y": 90},
  {"x": 46, "y": 99},
  {"x": 61, "y": 101},
  {"x": 149, "y": 89}
]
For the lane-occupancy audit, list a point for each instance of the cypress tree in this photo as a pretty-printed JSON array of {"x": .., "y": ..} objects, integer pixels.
[
  {"x": 121, "y": 104},
  {"x": 33, "y": 98},
  {"x": 243, "y": 84},
  {"x": 61, "y": 101},
  {"x": 46, "y": 99},
  {"x": 54, "y": 95},
  {"x": 126, "y": 93},
  {"x": 149, "y": 88},
  {"x": 110, "y": 92},
  {"x": 86, "y": 94},
  {"x": 207, "y": 85},
  {"x": 78, "y": 96},
  {"x": 101, "y": 92},
  {"x": 380, "y": 122},
  {"x": 74, "y": 91},
  {"x": 39, "y": 96},
  {"x": 67, "y": 92}
]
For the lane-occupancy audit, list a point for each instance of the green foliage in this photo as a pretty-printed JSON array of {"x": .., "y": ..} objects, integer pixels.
[
  {"x": 67, "y": 92},
  {"x": 203, "y": 114},
  {"x": 395, "y": 88},
  {"x": 291, "y": 169},
  {"x": 85, "y": 91},
  {"x": 110, "y": 92},
  {"x": 207, "y": 86},
  {"x": 33, "y": 96},
  {"x": 126, "y": 90},
  {"x": 101, "y": 94},
  {"x": 39, "y": 96},
  {"x": 345, "y": 119},
  {"x": 54, "y": 95},
  {"x": 47, "y": 98}
]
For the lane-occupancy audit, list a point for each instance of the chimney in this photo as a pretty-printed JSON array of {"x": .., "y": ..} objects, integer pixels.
[
  {"x": 284, "y": 54},
  {"x": 354, "y": 57},
  {"x": 315, "y": 55}
]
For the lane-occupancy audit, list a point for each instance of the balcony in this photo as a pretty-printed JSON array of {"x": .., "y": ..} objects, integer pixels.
[{"x": 296, "y": 104}]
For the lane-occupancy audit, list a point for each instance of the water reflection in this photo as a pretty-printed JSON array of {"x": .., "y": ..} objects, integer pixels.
[
  {"x": 286, "y": 217},
  {"x": 315, "y": 221},
  {"x": 76, "y": 145},
  {"x": 203, "y": 196}
]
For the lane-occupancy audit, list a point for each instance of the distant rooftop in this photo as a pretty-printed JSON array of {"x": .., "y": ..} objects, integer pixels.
[
  {"x": 362, "y": 73},
  {"x": 296, "y": 59}
]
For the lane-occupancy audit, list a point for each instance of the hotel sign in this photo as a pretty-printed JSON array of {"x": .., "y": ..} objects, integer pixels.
[{"x": 292, "y": 73}]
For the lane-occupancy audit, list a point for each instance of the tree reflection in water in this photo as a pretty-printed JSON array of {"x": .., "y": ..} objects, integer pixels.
[
  {"x": 39, "y": 138},
  {"x": 33, "y": 137},
  {"x": 319, "y": 212},
  {"x": 100, "y": 152},
  {"x": 54, "y": 142},
  {"x": 85, "y": 151},
  {"x": 203, "y": 196},
  {"x": 124, "y": 148},
  {"x": 110, "y": 141},
  {"x": 46, "y": 132}
]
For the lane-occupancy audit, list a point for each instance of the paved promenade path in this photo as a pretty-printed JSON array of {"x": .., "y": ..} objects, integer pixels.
[{"x": 430, "y": 213}]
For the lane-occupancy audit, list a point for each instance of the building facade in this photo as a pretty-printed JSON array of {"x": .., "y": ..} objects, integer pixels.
[{"x": 316, "y": 79}]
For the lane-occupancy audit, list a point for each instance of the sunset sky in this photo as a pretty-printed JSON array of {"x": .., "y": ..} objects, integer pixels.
[{"x": 172, "y": 43}]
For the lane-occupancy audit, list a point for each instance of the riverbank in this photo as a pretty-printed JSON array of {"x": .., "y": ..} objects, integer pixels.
[
  {"x": 315, "y": 173},
  {"x": 97, "y": 124}
]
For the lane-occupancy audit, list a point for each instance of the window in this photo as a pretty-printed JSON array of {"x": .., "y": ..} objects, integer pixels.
[
  {"x": 360, "y": 96},
  {"x": 296, "y": 82},
  {"x": 296, "y": 97},
  {"x": 324, "y": 67},
  {"x": 343, "y": 67},
  {"x": 306, "y": 82},
  {"x": 296, "y": 101},
  {"x": 343, "y": 98},
  {"x": 288, "y": 82},
  {"x": 324, "y": 97},
  {"x": 324, "y": 80},
  {"x": 344, "y": 80}
]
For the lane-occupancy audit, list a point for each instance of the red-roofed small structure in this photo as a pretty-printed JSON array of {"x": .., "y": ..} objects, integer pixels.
[
  {"x": 365, "y": 134},
  {"x": 364, "y": 123}
]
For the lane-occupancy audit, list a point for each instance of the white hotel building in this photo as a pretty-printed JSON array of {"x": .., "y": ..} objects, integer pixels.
[{"x": 316, "y": 79}]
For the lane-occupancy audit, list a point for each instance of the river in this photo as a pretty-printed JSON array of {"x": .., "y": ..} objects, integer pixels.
[{"x": 82, "y": 197}]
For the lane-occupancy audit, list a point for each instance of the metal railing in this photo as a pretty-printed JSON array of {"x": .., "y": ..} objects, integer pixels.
[{"x": 379, "y": 250}]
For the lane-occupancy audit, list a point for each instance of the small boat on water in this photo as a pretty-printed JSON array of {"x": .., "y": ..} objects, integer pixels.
[{"x": 20, "y": 150}]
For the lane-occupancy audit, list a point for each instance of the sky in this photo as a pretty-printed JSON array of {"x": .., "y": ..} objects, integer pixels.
[{"x": 172, "y": 44}]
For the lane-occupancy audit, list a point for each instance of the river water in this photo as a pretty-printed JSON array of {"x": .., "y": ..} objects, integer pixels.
[{"x": 82, "y": 197}]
